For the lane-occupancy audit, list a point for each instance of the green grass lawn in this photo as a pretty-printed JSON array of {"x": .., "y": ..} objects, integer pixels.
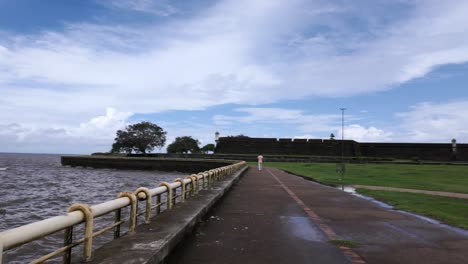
[
  {"x": 453, "y": 211},
  {"x": 425, "y": 177}
]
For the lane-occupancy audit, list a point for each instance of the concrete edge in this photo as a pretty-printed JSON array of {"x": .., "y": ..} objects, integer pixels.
[{"x": 153, "y": 242}]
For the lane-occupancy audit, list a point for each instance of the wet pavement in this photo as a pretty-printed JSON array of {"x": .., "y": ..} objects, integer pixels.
[
  {"x": 276, "y": 217},
  {"x": 257, "y": 222}
]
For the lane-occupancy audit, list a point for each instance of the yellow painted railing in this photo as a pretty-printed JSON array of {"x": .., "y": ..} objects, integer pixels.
[{"x": 180, "y": 189}]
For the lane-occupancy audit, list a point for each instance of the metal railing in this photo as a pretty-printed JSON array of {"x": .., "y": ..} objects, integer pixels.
[{"x": 83, "y": 213}]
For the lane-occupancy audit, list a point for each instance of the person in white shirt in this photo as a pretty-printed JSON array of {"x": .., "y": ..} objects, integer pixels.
[{"x": 260, "y": 162}]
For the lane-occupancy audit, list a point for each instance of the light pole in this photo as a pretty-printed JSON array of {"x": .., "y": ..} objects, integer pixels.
[{"x": 342, "y": 144}]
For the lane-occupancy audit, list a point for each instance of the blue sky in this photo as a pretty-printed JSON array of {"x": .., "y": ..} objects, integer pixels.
[{"x": 73, "y": 72}]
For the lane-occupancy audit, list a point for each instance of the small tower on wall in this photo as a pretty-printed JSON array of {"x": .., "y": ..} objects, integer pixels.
[
  {"x": 216, "y": 137},
  {"x": 454, "y": 150}
]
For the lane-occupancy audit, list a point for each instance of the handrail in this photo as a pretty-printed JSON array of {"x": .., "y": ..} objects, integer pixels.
[{"x": 79, "y": 213}]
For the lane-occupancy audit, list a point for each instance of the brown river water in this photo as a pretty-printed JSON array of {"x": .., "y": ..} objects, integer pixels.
[{"x": 34, "y": 187}]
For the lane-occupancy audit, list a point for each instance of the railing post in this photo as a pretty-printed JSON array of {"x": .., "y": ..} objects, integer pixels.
[
  {"x": 67, "y": 240},
  {"x": 1, "y": 252},
  {"x": 213, "y": 173},
  {"x": 212, "y": 176},
  {"x": 192, "y": 185},
  {"x": 88, "y": 236},
  {"x": 203, "y": 180},
  {"x": 133, "y": 208},
  {"x": 197, "y": 183},
  {"x": 182, "y": 187},
  {"x": 158, "y": 202},
  {"x": 148, "y": 202},
  {"x": 210, "y": 181},
  {"x": 117, "y": 218},
  {"x": 169, "y": 194}
]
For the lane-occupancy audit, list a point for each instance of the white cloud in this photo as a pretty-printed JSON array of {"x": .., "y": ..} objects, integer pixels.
[
  {"x": 364, "y": 134},
  {"x": 260, "y": 114},
  {"x": 156, "y": 7},
  {"x": 425, "y": 122},
  {"x": 97, "y": 134},
  {"x": 102, "y": 127},
  {"x": 296, "y": 121},
  {"x": 436, "y": 122},
  {"x": 299, "y": 121},
  {"x": 225, "y": 54},
  {"x": 305, "y": 136},
  {"x": 230, "y": 54}
]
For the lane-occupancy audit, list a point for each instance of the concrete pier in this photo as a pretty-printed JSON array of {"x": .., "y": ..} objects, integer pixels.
[
  {"x": 152, "y": 242},
  {"x": 145, "y": 163}
]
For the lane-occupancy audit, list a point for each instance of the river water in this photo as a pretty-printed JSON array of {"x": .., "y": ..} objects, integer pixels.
[{"x": 34, "y": 187}]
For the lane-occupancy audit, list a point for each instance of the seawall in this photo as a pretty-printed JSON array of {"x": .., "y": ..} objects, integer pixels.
[
  {"x": 153, "y": 242},
  {"x": 145, "y": 163}
]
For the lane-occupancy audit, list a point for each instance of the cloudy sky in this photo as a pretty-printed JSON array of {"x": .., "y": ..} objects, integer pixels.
[{"x": 72, "y": 72}]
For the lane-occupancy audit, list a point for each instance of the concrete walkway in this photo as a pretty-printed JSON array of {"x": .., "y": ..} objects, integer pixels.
[
  {"x": 437, "y": 193},
  {"x": 276, "y": 217},
  {"x": 257, "y": 222}
]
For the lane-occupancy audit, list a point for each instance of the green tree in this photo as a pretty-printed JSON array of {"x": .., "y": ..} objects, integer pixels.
[
  {"x": 184, "y": 145},
  {"x": 238, "y": 136},
  {"x": 141, "y": 137},
  {"x": 208, "y": 147}
]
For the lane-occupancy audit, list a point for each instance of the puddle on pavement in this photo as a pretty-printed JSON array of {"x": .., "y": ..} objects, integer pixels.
[
  {"x": 352, "y": 190},
  {"x": 302, "y": 228}
]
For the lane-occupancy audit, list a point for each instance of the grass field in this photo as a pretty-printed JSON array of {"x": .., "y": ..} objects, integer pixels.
[
  {"x": 424, "y": 177},
  {"x": 453, "y": 211}
]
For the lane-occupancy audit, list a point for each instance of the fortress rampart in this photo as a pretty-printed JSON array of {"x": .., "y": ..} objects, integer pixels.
[{"x": 319, "y": 147}]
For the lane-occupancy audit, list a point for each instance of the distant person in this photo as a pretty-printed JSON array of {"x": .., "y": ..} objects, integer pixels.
[{"x": 260, "y": 162}]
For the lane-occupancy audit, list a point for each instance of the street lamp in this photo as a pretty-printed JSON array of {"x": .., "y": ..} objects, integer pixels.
[{"x": 342, "y": 143}]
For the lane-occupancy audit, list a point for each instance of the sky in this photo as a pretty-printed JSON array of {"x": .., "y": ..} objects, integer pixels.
[{"x": 73, "y": 72}]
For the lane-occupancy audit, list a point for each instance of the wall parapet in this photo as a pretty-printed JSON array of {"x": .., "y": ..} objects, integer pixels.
[{"x": 327, "y": 147}]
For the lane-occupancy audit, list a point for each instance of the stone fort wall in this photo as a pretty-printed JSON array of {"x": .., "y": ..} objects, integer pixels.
[{"x": 319, "y": 147}]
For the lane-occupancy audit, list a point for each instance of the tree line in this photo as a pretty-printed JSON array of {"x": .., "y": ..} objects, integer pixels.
[{"x": 145, "y": 136}]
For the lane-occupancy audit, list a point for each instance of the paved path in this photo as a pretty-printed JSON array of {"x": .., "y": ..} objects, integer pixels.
[
  {"x": 276, "y": 217},
  {"x": 385, "y": 188}
]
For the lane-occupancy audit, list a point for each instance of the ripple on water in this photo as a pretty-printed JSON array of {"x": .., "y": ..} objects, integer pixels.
[{"x": 36, "y": 187}]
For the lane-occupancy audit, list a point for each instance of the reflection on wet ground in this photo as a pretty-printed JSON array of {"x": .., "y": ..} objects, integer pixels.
[
  {"x": 303, "y": 228},
  {"x": 352, "y": 190}
]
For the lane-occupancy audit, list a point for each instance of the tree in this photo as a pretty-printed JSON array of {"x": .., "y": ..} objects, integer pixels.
[
  {"x": 141, "y": 138},
  {"x": 184, "y": 145},
  {"x": 208, "y": 147},
  {"x": 238, "y": 136},
  {"x": 332, "y": 136}
]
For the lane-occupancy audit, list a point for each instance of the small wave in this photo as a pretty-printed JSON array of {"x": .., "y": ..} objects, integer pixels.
[{"x": 35, "y": 188}]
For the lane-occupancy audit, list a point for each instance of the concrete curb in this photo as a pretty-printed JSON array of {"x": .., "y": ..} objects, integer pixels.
[{"x": 153, "y": 242}]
